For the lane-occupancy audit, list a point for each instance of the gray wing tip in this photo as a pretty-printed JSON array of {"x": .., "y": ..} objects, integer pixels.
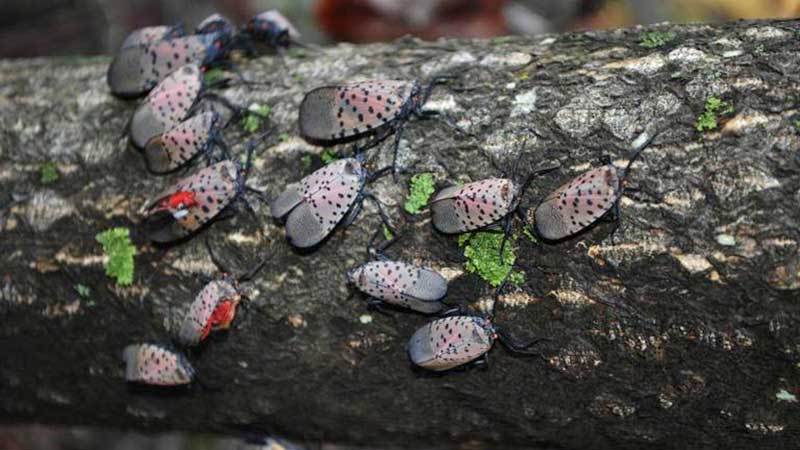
[
  {"x": 131, "y": 357},
  {"x": 285, "y": 202},
  {"x": 189, "y": 335},
  {"x": 546, "y": 222}
]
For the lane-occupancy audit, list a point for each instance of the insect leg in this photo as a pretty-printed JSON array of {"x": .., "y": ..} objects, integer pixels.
[
  {"x": 351, "y": 216},
  {"x": 217, "y": 140},
  {"x": 377, "y": 139},
  {"x": 398, "y": 135},
  {"x": 519, "y": 347},
  {"x": 381, "y": 212},
  {"x": 617, "y": 219},
  {"x": 235, "y": 109},
  {"x": 374, "y": 304},
  {"x": 252, "y": 272}
]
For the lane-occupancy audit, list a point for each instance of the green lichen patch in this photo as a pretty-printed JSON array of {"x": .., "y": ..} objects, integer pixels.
[
  {"x": 254, "y": 116},
  {"x": 329, "y": 155},
  {"x": 387, "y": 233},
  {"x": 785, "y": 396},
  {"x": 83, "y": 290},
  {"x": 528, "y": 232},
  {"x": 482, "y": 250},
  {"x": 297, "y": 52},
  {"x": 213, "y": 76},
  {"x": 655, "y": 39},
  {"x": 420, "y": 190},
  {"x": 502, "y": 40},
  {"x": 797, "y": 125},
  {"x": 714, "y": 109},
  {"x": 48, "y": 173},
  {"x": 118, "y": 248},
  {"x": 306, "y": 161}
]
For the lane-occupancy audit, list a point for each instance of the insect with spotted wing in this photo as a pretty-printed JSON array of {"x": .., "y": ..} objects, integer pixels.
[
  {"x": 398, "y": 283},
  {"x": 155, "y": 365},
  {"x": 456, "y": 340},
  {"x": 217, "y": 23},
  {"x": 270, "y": 28},
  {"x": 331, "y": 195},
  {"x": 480, "y": 204},
  {"x": 174, "y": 99},
  {"x": 215, "y": 306},
  {"x": 152, "y": 34},
  {"x": 195, "y": 201},
  {"x": 581, "y": 202},
  {"x": 331, "y": 115},
  {"x": 176, "y": 147},
  {"x": 139, "y": 67}
]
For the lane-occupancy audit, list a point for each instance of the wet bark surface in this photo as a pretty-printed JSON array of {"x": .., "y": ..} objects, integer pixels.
[{"x": 702, "y": 349}]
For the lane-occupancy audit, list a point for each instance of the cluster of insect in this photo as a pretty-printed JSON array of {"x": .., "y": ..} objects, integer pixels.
[{"x": 172, "y": 131}]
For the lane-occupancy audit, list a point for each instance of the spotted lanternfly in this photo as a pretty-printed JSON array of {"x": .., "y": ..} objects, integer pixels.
[
  {"x": 216, "y": 23},
  {"x": 458, "y": 209},
  {"x": 166, "y": 105},
  {"x": 475, "y": 205},
  {"x": 149, "y": 35},
  {"x": 401, "y": 284},
  {"x": 177, "y": 146},
  {"x": 451, "y": 341},
  {"x": 581, "y": 202},
  {"x": 192, "y": 202},
  {"x": 213, "y": 309},
  {"x": 155, "y": 365},
  {"x": 271, "y": 28},
  {"x": 138, "y": 68},
  {"x": 332, "y": 115},
  {"x": 456, "y": 340},
  {"x": 319, "y": 201}
]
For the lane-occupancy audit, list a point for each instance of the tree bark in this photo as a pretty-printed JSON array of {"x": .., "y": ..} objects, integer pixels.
[{"x": 701, "y": 351}]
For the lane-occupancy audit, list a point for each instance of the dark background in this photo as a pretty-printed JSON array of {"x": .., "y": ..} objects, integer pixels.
[{"x": 96, "y": 27}]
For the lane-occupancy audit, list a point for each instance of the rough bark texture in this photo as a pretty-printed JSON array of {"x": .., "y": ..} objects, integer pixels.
[{"x": 702, "y": 352}]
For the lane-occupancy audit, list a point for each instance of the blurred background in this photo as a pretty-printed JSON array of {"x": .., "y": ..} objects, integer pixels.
[{"x": 93, "y": 27}]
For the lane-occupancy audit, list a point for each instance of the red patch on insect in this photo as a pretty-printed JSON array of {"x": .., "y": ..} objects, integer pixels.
[
  {"x": 221, "y": 318},
  {"x": 181, "y": 200}
]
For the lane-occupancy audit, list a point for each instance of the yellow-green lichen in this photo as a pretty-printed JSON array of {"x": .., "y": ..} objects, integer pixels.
[
  {"x": 48, "y": 173},
  {"x": 420, "y": 190},
  {"x": 118, "y": 248},
  {"x": 83, "y": 290},
  {"x": 306, "y": 161},
  {"x": 714, "y": 108},
  {"x": 482, "y": 250},
  {"x": 213, "y": 76},
  {"x": 655, "y": 39},
  {"x": 254, "y": 116},
  {"x": 329, "y": 155}
]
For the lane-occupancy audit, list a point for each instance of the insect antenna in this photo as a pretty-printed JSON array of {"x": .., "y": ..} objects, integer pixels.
[
  {"x": 372, "y": 176},
  {"x": 639, "y": 145},
  {"x": 433, "y": 82},
  {"x": 516, "y": 346},
  {"x": 236, "y": 110},
  {"x": 216, "y": 139},
  {"x": 384, "y": 217},
  {"x": 379, "y": 251}
]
